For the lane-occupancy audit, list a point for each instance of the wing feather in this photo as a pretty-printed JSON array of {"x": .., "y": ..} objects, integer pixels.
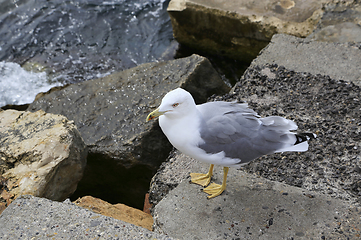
[{"x": 241, "y": 133}]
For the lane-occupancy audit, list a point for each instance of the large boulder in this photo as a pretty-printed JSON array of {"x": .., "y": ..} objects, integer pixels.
[
  {"x": 319, "y": 104},
  {"x": 41, "y": 154},
  {"x": 240, "y": 29}
]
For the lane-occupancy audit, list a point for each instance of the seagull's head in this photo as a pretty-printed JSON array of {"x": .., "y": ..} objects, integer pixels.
[{"x": 175, "y": 104}]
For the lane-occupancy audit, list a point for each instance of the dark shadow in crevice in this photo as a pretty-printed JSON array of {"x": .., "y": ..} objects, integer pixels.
[{"x": 108, "y": 180}]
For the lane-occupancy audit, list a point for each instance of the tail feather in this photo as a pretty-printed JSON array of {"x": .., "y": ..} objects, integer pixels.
[
  {"x": 302, "y": 137},
  {"x": 301, "y": 144}
]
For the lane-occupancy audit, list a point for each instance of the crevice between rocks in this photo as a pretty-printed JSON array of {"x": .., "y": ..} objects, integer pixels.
[{"x": 109, "y": 180}]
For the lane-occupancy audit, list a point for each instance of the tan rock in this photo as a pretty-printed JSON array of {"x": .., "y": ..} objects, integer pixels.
[
  {"x": 41, "y": 154},
  {"x": 240, "y": 29},
  {"x": 118, "y": 211}
]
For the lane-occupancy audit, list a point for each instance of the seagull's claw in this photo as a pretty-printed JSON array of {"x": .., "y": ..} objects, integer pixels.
[
  {"x": 215, "y": 190},
  {"x": 201, "y": 178}
]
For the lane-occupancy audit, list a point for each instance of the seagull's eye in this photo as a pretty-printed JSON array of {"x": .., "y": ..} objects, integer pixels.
[{"x": 175, "y": 105}]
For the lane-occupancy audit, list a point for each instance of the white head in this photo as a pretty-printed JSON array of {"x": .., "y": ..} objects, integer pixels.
[{"x": 175, "y": 104}]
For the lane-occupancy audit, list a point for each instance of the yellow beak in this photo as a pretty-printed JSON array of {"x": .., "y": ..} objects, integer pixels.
[{"x": 154, "y": 114}]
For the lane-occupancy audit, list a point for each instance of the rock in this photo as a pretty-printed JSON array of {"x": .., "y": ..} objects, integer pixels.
[
  {"x": 340, "y": 32},
  {"x": 41, "y": 154},
  {"x": 169, "y": 175},
  {"x": 30, "y": 217},
  {"x": 319, "y": 104},
  {"x": 117, "y": 211},
  {"x": 337, "y": 60},
  {"x": 110, "y": 112},
  {"x": 252, "y": 208},
  {"x": 340, "y": 22},
  {"x": 240, "y": 29}
]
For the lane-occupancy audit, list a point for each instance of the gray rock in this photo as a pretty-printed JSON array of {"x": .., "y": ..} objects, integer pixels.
[
  {"x": 40, "y": 154},
  {"x": 340, "y": 23},
  {"x": 337, "y": 60},
  {"x": 319, "y": 104},
  {"x": 169, "y": 175},
  {"x": 30, "y": 217},
  {"x": 110, "y": 112},
  {"x": 252, "y": 208},
  {"x": 340, "y": 32},
  {"x": 240, "y": 29}
]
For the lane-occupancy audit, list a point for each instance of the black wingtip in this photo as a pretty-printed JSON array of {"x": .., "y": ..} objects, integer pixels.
[{"x": 302, "y": 137}]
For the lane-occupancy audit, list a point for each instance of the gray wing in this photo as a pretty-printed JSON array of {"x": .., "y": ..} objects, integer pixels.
[{"x": 241, "y": 133}]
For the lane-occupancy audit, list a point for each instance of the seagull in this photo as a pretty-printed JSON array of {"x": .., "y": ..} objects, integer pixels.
[{"x": 228, "y": 134}]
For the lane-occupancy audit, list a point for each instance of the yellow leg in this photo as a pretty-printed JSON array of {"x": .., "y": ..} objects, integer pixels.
[
  {"x": 202, "y": 179},
  {"x": 215, "y": 189}
]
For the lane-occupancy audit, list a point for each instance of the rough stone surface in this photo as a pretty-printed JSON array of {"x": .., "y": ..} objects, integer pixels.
[
  {"x": 110, "y": 112},
  {"x": 340, "y": 32},
  {"x": 38, "y": 218},
  {"x": 168, "y": 176},
  {"x": 339, "y": 23},
  {"x": 240, "y": 29},
  {"x": 330, "y": 108},
  {"x": 117, "y": 211},
  {"x": 41, "y": 154},
  {"x": 253, "y": 208},
  {"x": 340, "y": 61}
]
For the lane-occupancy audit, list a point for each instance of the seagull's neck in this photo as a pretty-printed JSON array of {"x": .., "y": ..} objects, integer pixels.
[{"x": 181, "y": 131}]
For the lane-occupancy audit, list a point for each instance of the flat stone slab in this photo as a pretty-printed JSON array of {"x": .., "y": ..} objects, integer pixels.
[
  {"x": 253, "y": 208},
  {"x": 340, "y": 61},
  {"x": 30, "y": 217}
]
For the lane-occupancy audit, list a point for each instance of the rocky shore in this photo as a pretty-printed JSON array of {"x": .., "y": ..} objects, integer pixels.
[{"x": 93, "y": 135}]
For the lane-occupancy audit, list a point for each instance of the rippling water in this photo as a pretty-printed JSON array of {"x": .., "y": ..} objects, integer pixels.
[{"x": 74, "y": 41}]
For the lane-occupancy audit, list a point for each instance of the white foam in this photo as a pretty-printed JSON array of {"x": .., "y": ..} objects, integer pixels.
[{"x": 18, "y": 86}]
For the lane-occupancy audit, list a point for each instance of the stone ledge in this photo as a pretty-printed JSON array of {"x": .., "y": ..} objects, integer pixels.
[{"x": 30, "y": 217}]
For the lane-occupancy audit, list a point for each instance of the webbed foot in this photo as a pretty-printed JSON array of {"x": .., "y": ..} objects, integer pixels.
[
  {"x": 201, "y": 178},
  {"x": 215, "y": 190}
]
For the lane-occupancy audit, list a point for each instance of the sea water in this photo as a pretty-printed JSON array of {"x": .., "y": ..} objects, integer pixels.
[{"x": 77, "y": 40}]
